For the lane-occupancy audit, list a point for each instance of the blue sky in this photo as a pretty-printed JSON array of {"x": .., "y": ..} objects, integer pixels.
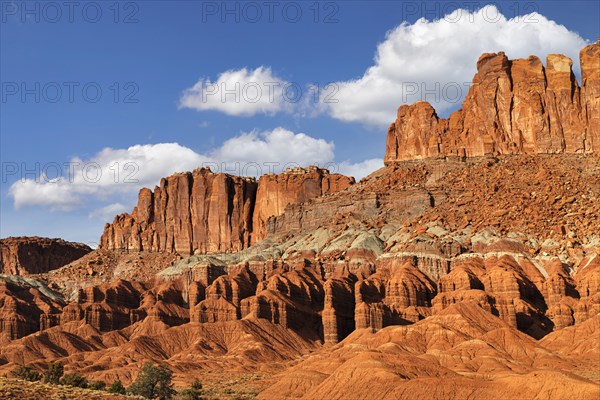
[{"x": 156, "y": 54}]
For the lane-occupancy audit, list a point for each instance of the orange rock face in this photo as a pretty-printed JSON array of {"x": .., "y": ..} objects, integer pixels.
[
  {"x": 22, "y": 308},
  {"x": 430, "y": 360},
  {"x": 35, "y": 255},
  {"x": 276, "y": 192},
  {"x": 513, "y": 106},
  {"x": 338, "y": 308},
  {"x": 590, "y": 93},
  {"x": 188, "y": 213},
  {"x": 201, "y": 212}
]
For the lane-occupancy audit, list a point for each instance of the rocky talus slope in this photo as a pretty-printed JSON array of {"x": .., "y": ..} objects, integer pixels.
[
  {"x": 35, "y": 255},
  {"x": 432, "y": 278}
]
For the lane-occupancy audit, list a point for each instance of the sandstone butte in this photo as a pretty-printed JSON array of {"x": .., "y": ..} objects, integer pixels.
[
  {"x": 443, "y": 275},
  {"x": 512, "y": 107},
  {"x": 34, "y": 255},
  {"x": 202, "y": 212}
]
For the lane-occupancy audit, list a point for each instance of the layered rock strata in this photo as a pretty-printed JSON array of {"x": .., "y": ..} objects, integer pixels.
[
  {"x": 512, "y": 107},
  {"x": 276, "y": 192},
  {"x": 36, "y": 255},
  {"x": 202, "y": 212},
  {"x": 319, "y": 305}
]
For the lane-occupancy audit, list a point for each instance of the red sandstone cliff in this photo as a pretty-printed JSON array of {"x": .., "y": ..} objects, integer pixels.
[
  {"x": 202, "y": 212},
  {"x": 513, "y": 106},
  {"x": 276, "y": 192},
  {"x": 35, "y": 255},
  {"x": 191, "y": 212}
]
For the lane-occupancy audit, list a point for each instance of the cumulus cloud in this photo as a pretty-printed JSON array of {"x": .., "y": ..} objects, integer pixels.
[
  {"x": 241, "y": 92},
  {"x": 109, "y": 172},
  {"x": 107, "y": 213},
  {"x": 427, "y": 60},
  {"x": 361, "y": 169},
  {"x": 115, "y": 175},
  {"x": 52, "y": 194},
  {"x": 435, "y": 61},
  {"x": 279, "y": 146}
]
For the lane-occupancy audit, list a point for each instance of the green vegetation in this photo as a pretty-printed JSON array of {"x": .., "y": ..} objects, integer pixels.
[
  {"x": 26, "y": 373},
  {"x": 153, "y": 382},
  {"x": 19, "y": 389},
  {"x": 192, "y": 393},
  {"x": 53, "y": 373},
  {"x": 97, "y": 385},
  {"x": 117, "y": 387},
  {"x": 74, "y": 379}
]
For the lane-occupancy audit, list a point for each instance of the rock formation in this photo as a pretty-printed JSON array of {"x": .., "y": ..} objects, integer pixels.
[
  {"x": 295, "y": 186},
  {"x": 338, "y": 308},
  {"x": 201, "y": 212},
  {"x": 463, "y": 352},
  {"x": 23, "y": 303},
  {"x": 188, "y": 213},
  {"x": 396, "y": 248},
  {"x": 35, "y": 255},
  {"x": 513, "y": 106},
  {"x": 590, "y": 93},
  {"x": 223, "y": 297},
  {"x": 292, "y": 299}
]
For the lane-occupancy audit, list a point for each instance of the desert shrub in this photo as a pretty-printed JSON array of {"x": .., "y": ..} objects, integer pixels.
[
  {"x": 192, "y": 393},
  {"x": 26, "y": 373},
  {"x": 97, "y": 385},
  {"x": 197, "y": 385},
  {"x": 74, "y": 379},
  {"x": 53, "y": 373},
  {"x": 117, "y": 387},
  {"x": 153, "y": 382}
]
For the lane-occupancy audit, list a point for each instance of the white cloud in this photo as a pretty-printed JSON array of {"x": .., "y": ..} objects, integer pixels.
[
  {"x": 240, "y": 92},
  {"x": 361, "y": 169},
  {"x": 440, "y": 56},
  {"x": 428, "y": 60},
  {"x": 115, "y": 175},
  {"x": 110, "y": 172},
  {"x": 107, "y": 213},
  {"x": 52, "y": 194},
  {"x": 279, "y": 146}
]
